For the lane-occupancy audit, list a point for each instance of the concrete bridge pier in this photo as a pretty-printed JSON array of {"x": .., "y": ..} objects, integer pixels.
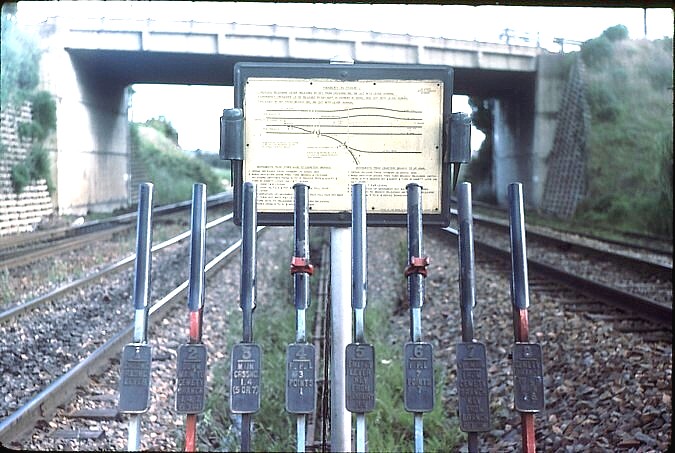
[
  {"x": 90, "y": 159},
  {"x": 524, "y": 128},
  {"x": 93, "y": 149},
  {"x": 512, "y": 144}
]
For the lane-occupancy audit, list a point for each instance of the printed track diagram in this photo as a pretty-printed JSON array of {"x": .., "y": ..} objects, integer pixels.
[{"x": 357, "y": 130}]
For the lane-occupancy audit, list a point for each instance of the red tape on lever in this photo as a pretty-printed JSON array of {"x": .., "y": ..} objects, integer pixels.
[
  {"x": 301, "y": 265},
  {"x": 418, "y": 265}
]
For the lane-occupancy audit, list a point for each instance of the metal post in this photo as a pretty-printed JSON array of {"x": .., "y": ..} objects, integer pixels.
[
  {"x": 136, "y": 357},
  {"x": 471, "y": 356},
  {"x": 528, "y": 386},
  {"x": 248, "y": 253},
  {"x": 341, "y": 329},
  {"x": 191, "y": 361},
  {"x": 359, "y": 289},
  {"x": 300, "y": 356},
  {"x": 341, "y": 324},
  {"x": 245, "y": 369},
  {"x": 418, "y": 356}
]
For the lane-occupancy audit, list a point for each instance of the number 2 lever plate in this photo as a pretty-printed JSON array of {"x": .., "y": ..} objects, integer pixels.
[{"x": 190, "y": 378}]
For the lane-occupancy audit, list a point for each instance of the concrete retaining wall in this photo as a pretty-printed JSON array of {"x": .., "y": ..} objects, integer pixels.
[{"x": 19, "y": 213}]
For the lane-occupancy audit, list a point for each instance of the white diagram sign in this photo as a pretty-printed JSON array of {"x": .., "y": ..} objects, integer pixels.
[{"x": 330, "y": 134}]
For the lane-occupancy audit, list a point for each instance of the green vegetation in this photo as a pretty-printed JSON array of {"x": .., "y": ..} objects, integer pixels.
[
  {"x": 630, "y": 148},
  {"x": 171, "y": 170},
  {"x": 20, "y": 60},
  {"x": 629, "y": 90},
  {"x": 390, "y": 427},
  {"x": 19, "y": 78},
  {"x": 35, "y": 166},
  {"x": 598, "y": 51},
  {"x": 273, "y": 329}
]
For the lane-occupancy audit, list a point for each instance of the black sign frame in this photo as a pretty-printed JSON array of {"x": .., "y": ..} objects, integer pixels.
[{"x": 444, "y": 74}]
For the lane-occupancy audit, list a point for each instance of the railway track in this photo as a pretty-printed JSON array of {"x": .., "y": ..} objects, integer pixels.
[
  {"x": 540, "y": 287},
  {"x": 19, "y": 250},
  {"x": 626, "y": 242},
  {"x": 72, "y": 330},
  {"x": 636, "y": 284}
]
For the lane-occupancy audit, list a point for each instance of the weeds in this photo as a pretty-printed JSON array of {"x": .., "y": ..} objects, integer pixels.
[{"x": 390, "y": 427}]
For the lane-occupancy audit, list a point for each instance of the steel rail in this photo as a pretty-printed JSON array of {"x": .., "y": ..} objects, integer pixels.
[
  {"x": 640, "y": 306},
  {"x": 59, "y": 391},
  {"x": 115, "y": 267},
  {"x": 20, "y": 257},
  {"x": 666, "y": 249},
  {"x": 73, "y": 236},
  {"x": 662, "y": 270},
  {"x": 319, "y": 340}
]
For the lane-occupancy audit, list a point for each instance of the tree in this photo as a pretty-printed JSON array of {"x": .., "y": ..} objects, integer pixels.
[{"x": 20, "y": 62}]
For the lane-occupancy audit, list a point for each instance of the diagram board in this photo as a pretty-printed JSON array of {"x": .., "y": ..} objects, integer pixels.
[{"x": 332, "y": 132}]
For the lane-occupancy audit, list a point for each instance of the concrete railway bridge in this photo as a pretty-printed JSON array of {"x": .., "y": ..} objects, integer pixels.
[{"x": 88, "y": 65}]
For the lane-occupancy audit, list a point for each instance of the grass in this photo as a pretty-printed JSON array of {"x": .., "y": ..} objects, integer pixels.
[
  {"x": 172, "y": 171},
  {"x": 273, "y": 330},
  {"x": 630, "y": 143},
  {"x": 6, "y": 292},
  {"x": 390, "y": 427}
]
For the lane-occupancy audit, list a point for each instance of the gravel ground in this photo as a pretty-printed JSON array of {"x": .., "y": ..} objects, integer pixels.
[
  {"x": 44, "y": 343},
  {"x": 635, "y": 279},
  {"x": 605, "y": 390}
]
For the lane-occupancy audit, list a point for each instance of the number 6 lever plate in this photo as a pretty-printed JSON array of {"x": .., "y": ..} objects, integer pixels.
[{"x": 419, "y": 377}]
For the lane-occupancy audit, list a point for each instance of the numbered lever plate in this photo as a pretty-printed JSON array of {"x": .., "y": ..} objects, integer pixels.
[
  {"x": 135, "y": 378},
  {"x": 528, "y": 377},
  {"x": 245, "y": 379},
  {"x": 360, "y": 377},
  {"x": 190, "y": 378},
  {"x": 300, "y": 378},
  {"x": 418, "y": 370},
  {"x": 472, "y": 387}
]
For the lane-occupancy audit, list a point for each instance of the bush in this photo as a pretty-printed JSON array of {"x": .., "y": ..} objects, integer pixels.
[
  {"x": 596, "y": 51},
  {"x": 36, "y": 166},
  {"x": 603, "y": 102},
  {"x": 616, "y": 33},
  {"x": 165, "y": 127},
  {"x": 44, "y": 113},
  {"x": 20, "y": 176},
  {"x": 20, "y": 62}
]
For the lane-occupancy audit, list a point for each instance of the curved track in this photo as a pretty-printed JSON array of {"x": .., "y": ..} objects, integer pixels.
[
  {"x": 22, "y": 249},
  {"x": 58, "y": 391},
  {"x": 631, "y": 283},
  {"x": 485, "y": 258}
]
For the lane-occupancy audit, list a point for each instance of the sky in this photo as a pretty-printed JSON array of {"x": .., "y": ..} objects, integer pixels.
[{"x": 198, "y": 128}]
